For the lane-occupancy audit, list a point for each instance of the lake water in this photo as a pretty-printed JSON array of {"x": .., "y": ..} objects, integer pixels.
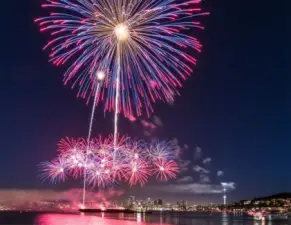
[{"x": 13, "y": 218}]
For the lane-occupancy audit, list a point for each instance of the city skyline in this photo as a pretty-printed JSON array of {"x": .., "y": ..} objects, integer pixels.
[
  {"x": 109, "y": 195},
  {"x": 69, "y": 201},
  {"x": 23, "y": 198}
]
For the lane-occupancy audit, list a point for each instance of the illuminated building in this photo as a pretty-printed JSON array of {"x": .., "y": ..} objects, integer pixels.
[{"x": 131, "y": 201}]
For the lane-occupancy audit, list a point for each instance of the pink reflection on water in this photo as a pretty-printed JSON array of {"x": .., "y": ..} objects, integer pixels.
[{"x": 71, "y": 219}]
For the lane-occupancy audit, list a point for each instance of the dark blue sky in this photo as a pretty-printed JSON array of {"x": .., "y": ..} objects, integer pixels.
[{"x": 236, "y": 106}]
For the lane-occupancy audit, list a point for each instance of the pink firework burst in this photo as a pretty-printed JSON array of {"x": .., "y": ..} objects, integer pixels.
[
  {"x": 132, "y": 161},
  {"x": 138, "y": 172},
  {"x": 69, "y": 144},
  {"x": 54, "y": 171},
  {"x": 100, "y": 177},
  {"x": 165, "y": 170}
]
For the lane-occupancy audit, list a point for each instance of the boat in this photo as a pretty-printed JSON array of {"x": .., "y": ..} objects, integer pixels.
[
  {"x": 271, "y": 215},
  {"x": 91, "y": 210},
  {"x": 258, "y": 216},
  {"x": 277, "y": 215}
]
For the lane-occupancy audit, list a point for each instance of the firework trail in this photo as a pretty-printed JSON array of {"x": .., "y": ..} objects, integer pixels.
[
  {"x": 117, "y": 97},
  {"x": 100, "y": 76}
]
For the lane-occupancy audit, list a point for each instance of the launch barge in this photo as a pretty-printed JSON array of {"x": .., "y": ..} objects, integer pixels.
[{"x": 88, "y": 210}]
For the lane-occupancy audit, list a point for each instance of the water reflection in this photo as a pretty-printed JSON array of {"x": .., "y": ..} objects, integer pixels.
[
  {"x": 155, "y": 218},
  {"x": 224, "y": 217},
  {"x": 264, "y": 222},
  {"x": 65, "y": 219}
]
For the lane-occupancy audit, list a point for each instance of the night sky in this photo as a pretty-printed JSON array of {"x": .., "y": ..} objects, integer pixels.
[{"x": 236, "y": 106}]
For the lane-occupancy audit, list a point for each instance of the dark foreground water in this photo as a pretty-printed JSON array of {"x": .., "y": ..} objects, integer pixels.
[{"x": 14, "y": 218}]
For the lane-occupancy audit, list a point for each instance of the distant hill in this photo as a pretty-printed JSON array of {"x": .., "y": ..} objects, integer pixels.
[{"x": 283, "y": 195}]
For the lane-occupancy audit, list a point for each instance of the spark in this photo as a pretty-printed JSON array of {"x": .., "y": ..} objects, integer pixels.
[{"x": 121, "y": 32}]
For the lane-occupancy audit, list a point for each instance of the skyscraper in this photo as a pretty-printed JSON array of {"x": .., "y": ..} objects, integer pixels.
[
  {"x": 131, "y": 201},
  {"x": 183, "y": 205}
]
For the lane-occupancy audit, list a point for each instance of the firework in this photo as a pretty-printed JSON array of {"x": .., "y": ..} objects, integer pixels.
[
  {"x": 54, "y": 171},
  {"x": 165, "y": 170},
  {"x": 133, "y": 162},
  {"x": 143, "y": 45},
  {"x": 138, "y": 171},
  {"x": 163, "y": 150}
]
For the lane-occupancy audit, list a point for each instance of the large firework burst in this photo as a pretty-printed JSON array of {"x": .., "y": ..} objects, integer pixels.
[{"x": 138, "y": 45}]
